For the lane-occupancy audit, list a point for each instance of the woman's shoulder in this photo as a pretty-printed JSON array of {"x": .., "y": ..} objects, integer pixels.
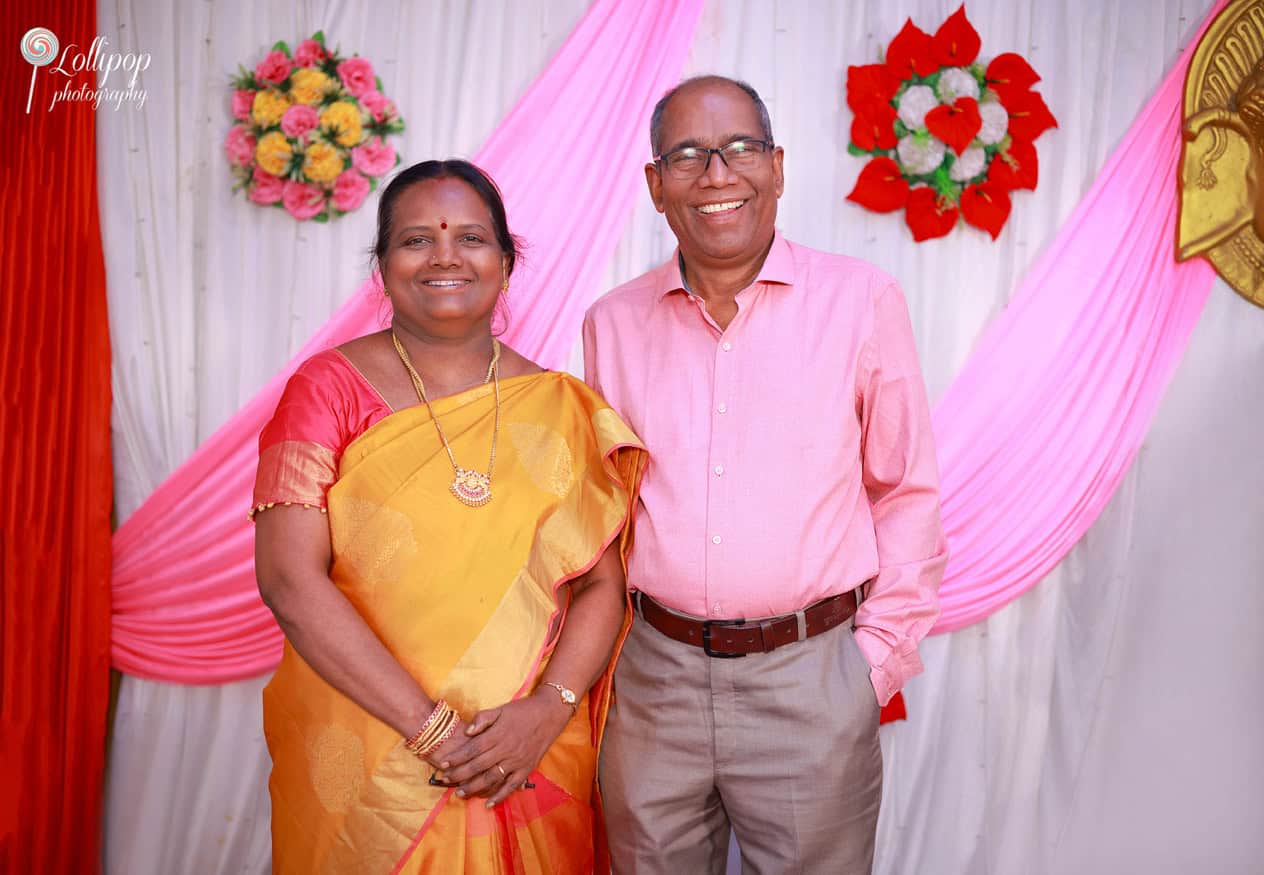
[
  {"x": 331, "y": 362},
  {"x": 326, "y": 400},
  {"x": 573, "y": 401}
]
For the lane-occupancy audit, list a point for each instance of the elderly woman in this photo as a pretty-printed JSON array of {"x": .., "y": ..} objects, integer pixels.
[{"x": 441, "y": 533}]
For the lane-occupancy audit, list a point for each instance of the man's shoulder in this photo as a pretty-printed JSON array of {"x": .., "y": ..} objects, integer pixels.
[
  {"x": 633, "y": 295},
  {"x": 820, "y": 264}
]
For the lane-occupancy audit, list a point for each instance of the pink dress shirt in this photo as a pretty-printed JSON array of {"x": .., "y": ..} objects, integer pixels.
[{"x": 791, "y": 456}]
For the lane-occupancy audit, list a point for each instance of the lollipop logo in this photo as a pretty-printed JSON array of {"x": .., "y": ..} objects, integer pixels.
[{"x": 39, "y": 48}]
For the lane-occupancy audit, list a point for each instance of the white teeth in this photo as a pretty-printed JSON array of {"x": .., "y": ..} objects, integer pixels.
[
  {"x": 720, "y": 208},
  {"x": 444, "y": 283}
]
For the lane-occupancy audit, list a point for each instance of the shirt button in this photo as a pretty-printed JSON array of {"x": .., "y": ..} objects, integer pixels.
[
  {"x": 723, "y": 408},
  {"x": 716, "y": 609},
  {"x": 719, "y": 469},
  {"x": 726, "y": 346},
  {"x": 715, "y": 539}
]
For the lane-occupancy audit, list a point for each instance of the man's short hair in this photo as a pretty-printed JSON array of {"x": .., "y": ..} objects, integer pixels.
[{"x": 656, "y": 118}]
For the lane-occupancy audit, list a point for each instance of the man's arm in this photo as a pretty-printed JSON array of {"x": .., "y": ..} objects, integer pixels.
[
  {"x": 901, "y": 478},
  {"x": 590, "y": 354}
]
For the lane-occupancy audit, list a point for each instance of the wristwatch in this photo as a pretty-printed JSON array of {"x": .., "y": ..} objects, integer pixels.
[{"x": 567, "y": 694}]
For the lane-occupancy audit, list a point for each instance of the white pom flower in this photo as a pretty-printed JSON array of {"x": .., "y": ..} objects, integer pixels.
[
  {"x": 914, "y": 104},
  {"x": 920, "y": 158},
  {"x": 957, "y": 82},
  {"x": 969, "y": 164},
  {"x": 995, "y": 122}
]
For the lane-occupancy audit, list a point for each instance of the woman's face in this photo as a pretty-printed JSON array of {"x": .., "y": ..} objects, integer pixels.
[{"x": 443, "y": 268}]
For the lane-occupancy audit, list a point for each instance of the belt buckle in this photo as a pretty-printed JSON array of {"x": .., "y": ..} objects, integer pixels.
[{"x": 706, "y": 638}]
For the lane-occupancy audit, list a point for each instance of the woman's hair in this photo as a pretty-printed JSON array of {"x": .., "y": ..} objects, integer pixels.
[{"x": 452, "y": 168}]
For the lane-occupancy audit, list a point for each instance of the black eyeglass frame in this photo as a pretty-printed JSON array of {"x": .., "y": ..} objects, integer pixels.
[{"x": 766, "y": 148}]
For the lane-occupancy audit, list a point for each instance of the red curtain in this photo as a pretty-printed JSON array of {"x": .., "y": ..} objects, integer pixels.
[{"x": 55, "y": 495}]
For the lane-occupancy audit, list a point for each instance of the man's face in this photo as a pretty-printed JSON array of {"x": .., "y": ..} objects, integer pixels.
[{"x": 723, "y": 214}]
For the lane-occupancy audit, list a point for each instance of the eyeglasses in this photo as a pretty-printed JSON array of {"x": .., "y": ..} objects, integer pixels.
[{"x": 690, "y": 162}]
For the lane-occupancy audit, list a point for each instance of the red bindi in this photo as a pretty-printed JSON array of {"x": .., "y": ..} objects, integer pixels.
[{"x": 443, "y": 223}]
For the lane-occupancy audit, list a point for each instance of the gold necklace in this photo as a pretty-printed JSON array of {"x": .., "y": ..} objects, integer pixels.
[{"x": 473, "y": 488}]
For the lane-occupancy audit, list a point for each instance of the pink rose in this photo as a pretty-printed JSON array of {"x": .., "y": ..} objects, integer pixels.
[
  {"x": 350, "y": 190},
  {"x": 357, "y": 76},
  {"x": 302, "y": 200},
  {"x": 274, "y": 68},
  {"x": 298, "y": 120},
  {"x": 373, "y": 158},
  {"x": 266, "y": 188},
  {"x": 377, "y": 103},
  {"x": 309, "y": 53},
  {"x": 239, "y": 145},
  {"x": 243, "y": 99}
]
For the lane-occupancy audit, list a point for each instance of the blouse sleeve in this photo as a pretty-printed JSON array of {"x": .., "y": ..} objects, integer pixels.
[{"x": 298, "y": 448}]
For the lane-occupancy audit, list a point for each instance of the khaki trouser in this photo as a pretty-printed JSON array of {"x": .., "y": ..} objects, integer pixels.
[{"x": 782, "y": 747}]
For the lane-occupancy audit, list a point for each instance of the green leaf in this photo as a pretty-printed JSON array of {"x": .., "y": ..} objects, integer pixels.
[
  {"x": 378, "y": 80},
  {"x": 280, "y": 46},
  {"x": 853, "y": 149},
  {"x": 321, "y": 217},
  {"x": 372, "y": 183},
  {"x": 319, "y": 36},
  {"x": 900, "y": 130}
]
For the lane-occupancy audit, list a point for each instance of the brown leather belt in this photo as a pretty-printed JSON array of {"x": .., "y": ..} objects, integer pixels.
[{"x": 731, "y": 638}]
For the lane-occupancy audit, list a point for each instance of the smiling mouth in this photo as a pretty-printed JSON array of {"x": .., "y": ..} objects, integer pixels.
[
  {"x": 726, "y": 207},
  {"x": 445, "y": 284}
]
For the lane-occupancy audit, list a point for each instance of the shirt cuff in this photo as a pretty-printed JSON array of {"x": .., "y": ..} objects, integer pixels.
[{"x": 889, "y": 667}]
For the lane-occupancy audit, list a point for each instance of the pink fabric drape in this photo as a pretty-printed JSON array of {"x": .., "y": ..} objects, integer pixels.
[
  {"x": 185, "y": 605},
  {"x": 1039, "y": 428}
]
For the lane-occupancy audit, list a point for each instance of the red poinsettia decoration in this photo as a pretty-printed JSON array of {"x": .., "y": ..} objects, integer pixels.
[{"x": 950, "y": 137}]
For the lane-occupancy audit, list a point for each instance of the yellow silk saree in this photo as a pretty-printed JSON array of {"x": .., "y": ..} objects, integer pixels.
[{"x": 465, "y": 598}]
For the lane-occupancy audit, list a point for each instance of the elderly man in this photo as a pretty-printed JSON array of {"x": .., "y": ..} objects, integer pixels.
[{"x": 788, "y": 546}]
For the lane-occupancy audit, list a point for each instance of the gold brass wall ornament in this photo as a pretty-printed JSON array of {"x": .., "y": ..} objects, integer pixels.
[{"x": 1222, "y": 162}]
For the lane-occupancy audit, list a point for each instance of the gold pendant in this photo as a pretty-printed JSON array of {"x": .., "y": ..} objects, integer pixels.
[{"x": 473, "y": 488}]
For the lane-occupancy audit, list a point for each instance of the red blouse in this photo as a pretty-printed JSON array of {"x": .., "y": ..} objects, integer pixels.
[{"x": 326, "y": 405}]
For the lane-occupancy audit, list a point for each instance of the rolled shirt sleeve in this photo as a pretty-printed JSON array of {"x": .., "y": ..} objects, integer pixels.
[{"x": 901, "y": 480}]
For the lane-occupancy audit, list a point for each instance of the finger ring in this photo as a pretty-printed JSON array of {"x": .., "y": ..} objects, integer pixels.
[{"x": 501, "y": 769}]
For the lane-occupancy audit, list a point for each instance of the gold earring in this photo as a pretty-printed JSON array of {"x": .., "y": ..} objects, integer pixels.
[{"x": 386, "y": 291}]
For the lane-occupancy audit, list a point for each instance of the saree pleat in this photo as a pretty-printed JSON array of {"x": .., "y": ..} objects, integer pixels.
[{"x": 465, "y": 598}]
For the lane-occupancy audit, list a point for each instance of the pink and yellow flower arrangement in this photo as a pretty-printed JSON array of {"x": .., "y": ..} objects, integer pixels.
[{"x": 310, "y": 131}]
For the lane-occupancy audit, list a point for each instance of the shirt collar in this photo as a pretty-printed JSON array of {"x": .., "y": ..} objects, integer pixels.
[{"x": 778, "y": 268}]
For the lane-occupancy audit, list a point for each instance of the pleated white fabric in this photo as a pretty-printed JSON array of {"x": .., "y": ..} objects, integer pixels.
[{"x": 1106, "y": 721}]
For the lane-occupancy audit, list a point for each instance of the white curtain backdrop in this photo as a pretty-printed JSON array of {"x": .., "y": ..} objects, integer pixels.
[{"x": 1107, "y": 721}]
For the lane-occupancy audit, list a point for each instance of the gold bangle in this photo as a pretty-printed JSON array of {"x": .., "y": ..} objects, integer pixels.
[
  {"x": 431, "y": 741},
  {"x": 447, "y": 733},
  {"x": 438, "y": 734},
  {"x": 437, "y": 725},
  {"x": 440, "y": 707}
]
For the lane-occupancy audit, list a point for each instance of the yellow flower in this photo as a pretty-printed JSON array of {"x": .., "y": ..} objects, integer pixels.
[
  {"x": 268, "y": 107},
  {"x": 322, "y": 162},
  {"x": 273, "y": 153},
  {"x": 309, "y": 85},
  {"x": 342, "y": 120}
]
